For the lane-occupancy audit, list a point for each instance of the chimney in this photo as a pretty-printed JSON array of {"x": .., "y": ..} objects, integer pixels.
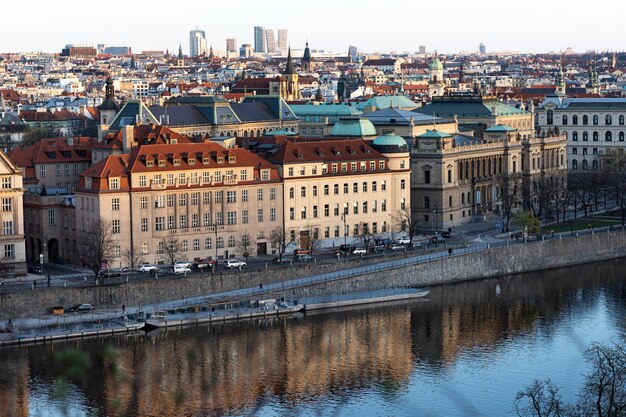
[{"x": 128, "y": 137}]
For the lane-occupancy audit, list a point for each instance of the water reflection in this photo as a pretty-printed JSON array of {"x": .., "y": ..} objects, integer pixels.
[{"x": 300, "y": 366}]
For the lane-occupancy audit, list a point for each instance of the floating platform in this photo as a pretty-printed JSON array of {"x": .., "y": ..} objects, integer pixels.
[{"x": 362, "y": 298}]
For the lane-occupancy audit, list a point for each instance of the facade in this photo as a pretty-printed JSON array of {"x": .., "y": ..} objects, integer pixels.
[
  {"x": 282, "y": 39},
  {"x": 13, "y": 261},
  {"x": 335, "y": 190},
  {"x": 593, "y": 126},
  {"x": 454, "y": 176},
  {"x": 319, "y": 119},
  {"x": 200, "y": 194},
  {"x": 270, "y": 41},
  {"x": 231, "y": 44},
  {"x": 259, "y": 39},
  {"x": 197, "y": 43}
]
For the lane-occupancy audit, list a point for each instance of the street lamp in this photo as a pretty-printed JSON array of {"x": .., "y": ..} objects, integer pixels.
[
  {"x": 345, "y": 231},
  {"x": 41, "y": 259}
]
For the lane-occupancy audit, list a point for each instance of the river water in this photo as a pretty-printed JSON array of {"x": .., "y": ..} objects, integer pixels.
[{"x": 465, "y": 351}]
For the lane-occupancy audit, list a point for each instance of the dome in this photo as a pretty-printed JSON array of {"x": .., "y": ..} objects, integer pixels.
[
  {"x": 353, "y": 127},
  {"x": 389, "y": 142},
  {"x": 109, "y": 102},
  {"x": 436, "y": 65}
]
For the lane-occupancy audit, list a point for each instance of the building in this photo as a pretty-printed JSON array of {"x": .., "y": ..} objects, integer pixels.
[
  {"x": 270, "y": 41},
  {"x": 353, "y": 53},
  {"x": 245, "y": 51},
  {"x": 482, "y": 49},
  {"x": 79, "y": 51},
  {"x": 407, "y": 124},
  {"x": 307, "y": 59},
  {"x": 231, "y": 45},
  {"x": 319, "y": 119},
  {"x": 13, "y": 261},
  {"x": 593, "y": 126},
  {"x": 259, "y": 40},
  {"x": 205, "y": 198},
  {"x": 337, "y": 190},
  {"x": 436, "y": 82},
  {"x": 422, "y": 50},
  {"x": 118, "y": 50},
  {"x": 197, "y": 43},
  {"x": 282, "y": 39}
]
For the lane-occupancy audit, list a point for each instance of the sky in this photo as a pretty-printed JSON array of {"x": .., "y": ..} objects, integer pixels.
[{"x": 332, "y": 25}]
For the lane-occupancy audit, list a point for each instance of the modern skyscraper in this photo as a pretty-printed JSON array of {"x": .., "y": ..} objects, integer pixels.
[
  {"x": 231, "y": 44},
  {"x": 270, "y": 40},
  {"x": 353, "y": 52},
  {"x": 282, "y": 39},
  {"x": 259, "y": 39},
  {"x": 197, "y": 43},
  {"x": 482, "y": 48},
  {"x": 245, "y": 51},
  {"x": 422, "y": 50}
]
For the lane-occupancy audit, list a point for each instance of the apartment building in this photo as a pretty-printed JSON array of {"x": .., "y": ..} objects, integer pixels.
[{"x": 13, "y": 255}]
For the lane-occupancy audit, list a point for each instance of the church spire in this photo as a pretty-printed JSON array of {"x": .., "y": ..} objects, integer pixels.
[
  {"x": 180, "y": 51},
  {"x": 289, "y": 69}
]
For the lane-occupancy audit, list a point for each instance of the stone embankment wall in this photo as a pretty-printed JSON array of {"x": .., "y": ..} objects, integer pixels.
[{"x": 489, "y": 263}]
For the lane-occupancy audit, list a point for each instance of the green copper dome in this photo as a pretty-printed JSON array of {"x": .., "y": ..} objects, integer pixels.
[
  {"x": 389, "y": 142},
  {"x": 353, "y": 127},
  {"x": 436, "y": 65}
]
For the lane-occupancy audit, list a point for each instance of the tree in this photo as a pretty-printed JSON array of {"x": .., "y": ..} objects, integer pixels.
[
  {"x": 279, "y": 240},
  {"x": 509, "y": 188},
  {"x": 365, "y": 236},
  {"x": 33, "y": 134},
  {"x": 616, "y": 178},
  {"x": 541, "y": 399},
  {"x": 245, "y": 245},
  {"x": 97, "y": 245},
  {"x": 313, "y": 242},
  {"x": 528, "y": 222},
  {"x": 133, "y": 257},
  {"x": 171, "y": 249},
  {"x": 407, "y": 222}
]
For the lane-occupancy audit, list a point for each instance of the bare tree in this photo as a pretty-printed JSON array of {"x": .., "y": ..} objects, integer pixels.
[
  {"x": 407, "y": 222},
  {"x": 97, "y": 245},
  {"x": 171, "y": 249},
  {"x": 365, "y": 236},
  {"x": 509, "y": 189},
  {"x": 279, "y": 240},
  {"x": 542, "y": 398},
  {"x": 246, "y": 245},
  {"x": 314, "y": 241},
  {"x": 616, "y": 178},
  {"x": 133, "y": 257}
]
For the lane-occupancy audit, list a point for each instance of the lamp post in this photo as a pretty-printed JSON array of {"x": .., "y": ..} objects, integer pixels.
[
  {"x": 345, "y": 232},
  {"x": 42, "y": 256}
]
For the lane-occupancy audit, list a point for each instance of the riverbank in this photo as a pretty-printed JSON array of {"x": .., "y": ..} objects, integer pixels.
[{"x": 333, "y": 278}]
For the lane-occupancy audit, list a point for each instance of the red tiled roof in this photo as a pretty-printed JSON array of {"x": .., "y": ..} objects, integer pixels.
[
  {"x": 60, "y": 115},
  {"x": 143, "y": 135}
]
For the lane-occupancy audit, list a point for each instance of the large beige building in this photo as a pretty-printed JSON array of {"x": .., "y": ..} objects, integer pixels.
[
  {"x": 338, "y": 189},
  {"x": 13, "y": 261},
  {"x": 201, "y": 194}
]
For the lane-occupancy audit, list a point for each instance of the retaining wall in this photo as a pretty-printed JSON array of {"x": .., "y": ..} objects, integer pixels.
[{"x": 489, "y": 263}]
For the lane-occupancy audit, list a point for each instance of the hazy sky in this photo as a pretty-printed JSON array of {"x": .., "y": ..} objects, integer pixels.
[{"x": 371, "y": 25}]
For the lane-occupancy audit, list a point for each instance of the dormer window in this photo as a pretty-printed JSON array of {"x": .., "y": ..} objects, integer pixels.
[
  {"x": 174, "y": 141},
  {"x": 265, "y": 175},
  {"x": 191, "y": 161},
  {"x": 176, "y": 162},
  {"x": 161, "y": 162},
  {"x": 87, "y": 182},
  {"x": 206, "y": 160},
  {"x": 220, "y": 159},
  {"x": 232, "y": 159},
  {"x": 149, "y": 163},
  {"x": 114, "y": 183}
]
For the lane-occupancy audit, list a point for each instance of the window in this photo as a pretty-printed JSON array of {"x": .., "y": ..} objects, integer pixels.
[
  {"x": 231, "y": 241},
  {"x": 383, "y": 186},
  {"x": 315, "y": 191},
  {"x": 292, "y": 192},
  {"x": 9, "y": 251},
  {"x": 259, "y": 194},
  {"x": 7, "y": 204},
  {"x": 115, "y": 204},
  {"x": 326, "y": 210},
  {"x": 244, "y": 216},
  {"x": 7, "y": 228},
  {"x": 182, "y": 200},
  {"x": 336, "y": 189},
  {"x": 353, "y": 167},
  {"x": 383, "y": 206},
  {"x": 292, "y": 213},
  {"x": 595, "y": 136},
  {"x": 290, "y": 172},
  {"x": 144, "y": 224},
  {"x": 144, "y": 248},
  {"x": 273, "y": 193},
  {"x": 355, "y": 187},
  {"x": 574, "y": 135},
  {"x": 273, "y": 214},
  {"x": 345, "y": 188},
  {"x": 208, "y": 243},
  {"x": 244, "y": 196},
  {"x": 143, "y": 202},
  {"x": 243, "y": 175},
  {"x": 219, "y": 196},
  {"x": 336, "y": 234},
  {"x": 608, "y": 120},
  {"x": 402, "y": 204},
  {"x": 171, "y": 222},
  {"x": 336, "y": 209},
  {"x": 565, "y": 119},
  {"x": 160, "y": 247},
  {"x": 621, "y": 136},
  {"x": 159, "y": 223},
  {"x": 302, "y": 191},
  {"x": 550, "y": 117},
  {"x": 303, "y": 213},
  {"x": 52, "y": 220},
  {"x": 265, "y": 175},
  {"x": 426, "y": 202},
  {"x": 355, "y": 208},
  {"x": 196, "y": 244},
  {"x": 231, "y": 196},
  {"x": 585, "y": 120},
  {"x": 169, "y": 179},
  {"x": 608, "y": 136},
  {"x": 334, "y": 168},
  {"x": 114, "y": 183},
  {"x": 260, "y": 215},
  {"x": 574, "y": 151},
  {"x": 450, "y": 201},
  {"x": 364, "y": 187},
  {"x": 302, "y": 170},
  {"x": 621, "y": 120},
  {"x": 42, "y": 170},
  {"x": 381, "y": 165},
  {"x": 195, "y": 220},
  {"x": 594, "y": 151},
  {"x": 184, "y": 245},
  {"x": 220, "y": 242},
  {"x": 344, "y": 167},
  {"x": 372, "y": 166},
  {"x": 575, "y": 120},
  {"x": 7, "y": 183},
  {"x": 426, "y": 176},
  {"x": 219, "y": 218},
  {"x": 374, "y": 186},
  {"x": 314, "y": 212},
  {"x": 326, "y": 189},
  {"x": 115, "y": 226},
  {"x": 117, "y": 251},
  {"x": 231, "y": 217},
  {"x": 364, "y": 207},
  {"x": 595, "y": 119},
  {"x": 585, "y": 136},
  {"x": 195, "y": 197},
  {"x": 403, "y": 183},
  {"x": 206, "y": 198}
]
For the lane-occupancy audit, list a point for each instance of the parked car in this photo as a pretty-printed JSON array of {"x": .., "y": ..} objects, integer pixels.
[
  {"x": 436, "y": 239},
  {"x": 235, "y": 263},
  {"x": 203, "y": 264},
  {"x": 34, "y": 269},
  {"x": 444, "y": 233},
  {"x": 403, "y": 241},
  {"x": 418, "y": 244},
  {"x": 284, "y": 259},
  {"x": 80, "y": 307},
  {"x": 396, "y": 247},
  {"x": 378, "y": 248},
  {"x": 113, "y": 272},
  {"x": 383, "y": 242},
  {"x": 183, "y": 264},
  {"x": 147, "y": 268},
  {"x": 358, "y": 251},
  {"x": 346, "y": 248},
  {"x": 181, "y": 269},
  {"x": 301, "y": 251},
  {"x": 303, "y": 257}
]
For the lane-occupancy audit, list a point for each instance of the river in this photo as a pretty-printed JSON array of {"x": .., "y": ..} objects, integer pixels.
[{"x": 465, "y": 351}]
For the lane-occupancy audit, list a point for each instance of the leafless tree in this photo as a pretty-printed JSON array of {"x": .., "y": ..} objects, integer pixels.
[
  {"x": 279, "y": 240},
  {"x": 171, "y": 249},
  {"x": 509, "y": 189},
  {"x": 365, "y": 236},
  {"x": 406, "y": 221},
  {"x": 246, "y": 245},
  {"x": 314, "y": 241},
  {"x": 97, "y": 244},
  {"x": 616, "y": 179},
  {"x": 133, "y": 257},
  {"x": 541, "y": 399}
]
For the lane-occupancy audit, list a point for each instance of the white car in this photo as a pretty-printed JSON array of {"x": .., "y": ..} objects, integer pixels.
[
  {"x": 182, "y": 264},
  {"x": 403, "y": 241},
  {"x": 359, "y": 251},
  {"x": 147, "y": 268},
  {"x": 181, "y": 269},
  {"x": 235, "y": 263}
]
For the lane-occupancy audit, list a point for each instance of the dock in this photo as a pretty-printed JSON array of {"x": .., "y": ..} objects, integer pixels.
[{"x": 362, "y": 298}]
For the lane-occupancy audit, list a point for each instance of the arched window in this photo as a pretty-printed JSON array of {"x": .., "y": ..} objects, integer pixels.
[
  {"x": 621, "y": 120},
  {"x": 426, "y": 202},
  {"x": 585, "y": 120},
  {"x": 594, "y": 164},
  {"x": 574, "y": 119},
  {"x": 462, "y": 198},
  {"x": 291, "y": 192},
  {"x": 402, "y": 184},
  {"x": 585, "y": 165},
  {"x": 574, "y": 165},
  {"x": 608, "y": 136},
  {"x": 574, "y": 135},
  {"x": 595, "y": 136},
  {"x": 621, "y": 136},
  {"x": 450, "y": 201},
  {"x": 585, "y": 136},
  {"x": 550, "y": 117},
  {"x": 565, "y": 119},
  {"x": 595, "y": 119},
  {"x": 608, "y": 120}
]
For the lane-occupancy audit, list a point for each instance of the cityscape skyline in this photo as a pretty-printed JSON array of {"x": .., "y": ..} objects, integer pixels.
[{"x": 485, "y": 24}]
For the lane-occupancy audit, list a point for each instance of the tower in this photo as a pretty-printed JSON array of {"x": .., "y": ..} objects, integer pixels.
[
  {"x": 181, "y": 58},
  {"x": 292, "y": 90},
  {"x": 561, "y": 87},
  {"x": 259, "y": 39},
  {"x": 436, "y": 86},
  {"x": 307, "y": 60}
]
